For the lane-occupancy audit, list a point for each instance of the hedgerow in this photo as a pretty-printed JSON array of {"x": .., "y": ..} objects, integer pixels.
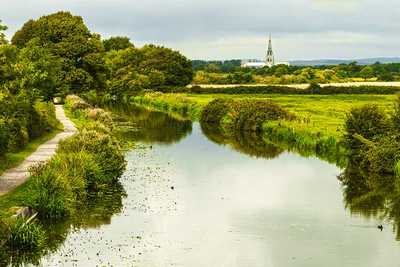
[{"x": 287, "y": 90}]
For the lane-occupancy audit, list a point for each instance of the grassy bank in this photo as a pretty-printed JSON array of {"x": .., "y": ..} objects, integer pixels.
[
  {"x": 317, "y": 129},
  {"x": 85, "y": 164},
  {"x": 174, "y": 103}
]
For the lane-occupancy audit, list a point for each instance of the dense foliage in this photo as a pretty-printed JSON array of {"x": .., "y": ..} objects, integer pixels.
[
  {"x": 117, "y": 43},
  {"x": 57, "y": 54},
  {"x": 67, "y": 37},
  {"x": 22, "y": 119},
  {"x": 134, "y": 69}
]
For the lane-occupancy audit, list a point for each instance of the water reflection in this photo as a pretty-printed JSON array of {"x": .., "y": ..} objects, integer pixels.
[
  {"x": 370, "y": 199},
  {"x": 139, "y": 124},
  {"x": 97, "y": 210},
  {"x": 249, "y": 143}
]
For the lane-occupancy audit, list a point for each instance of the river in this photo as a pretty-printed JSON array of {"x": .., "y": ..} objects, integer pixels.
[{"x": 190, "y": 201}]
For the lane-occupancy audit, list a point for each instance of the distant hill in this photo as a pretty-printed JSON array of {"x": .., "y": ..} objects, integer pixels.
[{"x": 363, "y": 61}]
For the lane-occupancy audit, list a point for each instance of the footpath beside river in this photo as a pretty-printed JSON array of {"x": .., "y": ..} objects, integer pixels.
[{"x": 14, "y": 177}]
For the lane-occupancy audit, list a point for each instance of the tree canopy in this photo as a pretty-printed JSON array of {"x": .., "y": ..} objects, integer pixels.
[
  {"x": 67, "y": 37},
  {"x": 58, "y": 54},
  {"x": 3, "y": 28},
  {"x": 134, "y": 69},
  {"x": 117, "y": 43}
]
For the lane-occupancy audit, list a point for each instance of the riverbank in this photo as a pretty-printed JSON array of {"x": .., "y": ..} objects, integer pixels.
[
  {"x": 14, "y": 177},
  {"x": 85, "y": 164},
  {"x": 317, "y": 129}
]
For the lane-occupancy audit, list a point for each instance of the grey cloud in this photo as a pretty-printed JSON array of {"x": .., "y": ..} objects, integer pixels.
[{"x": 208, "y": 28}]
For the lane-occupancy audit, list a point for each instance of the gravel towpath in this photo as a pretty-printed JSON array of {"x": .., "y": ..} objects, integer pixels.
[{"x": 14, "y": 177}]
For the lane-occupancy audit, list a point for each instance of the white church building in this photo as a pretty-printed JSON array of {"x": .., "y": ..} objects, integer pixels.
[{"x": 269, "y": 59}]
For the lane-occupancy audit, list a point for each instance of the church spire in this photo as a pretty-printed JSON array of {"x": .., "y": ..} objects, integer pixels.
[{"x": 270, "y": 61}]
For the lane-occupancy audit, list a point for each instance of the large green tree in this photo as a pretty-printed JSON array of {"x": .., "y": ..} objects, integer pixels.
[
  {"x": 176, "y": 68},
  {"x": 67, "y": 37},
  {"x": 134, "y": 69}
]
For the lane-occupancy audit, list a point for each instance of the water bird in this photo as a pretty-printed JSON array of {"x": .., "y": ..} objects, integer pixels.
[{"x": 380, "y": 227}]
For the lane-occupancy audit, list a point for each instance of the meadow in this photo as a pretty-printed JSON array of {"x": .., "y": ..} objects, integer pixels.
[
  {"x": 317, "y": 129},
  {"x": 316, "y": 113}
]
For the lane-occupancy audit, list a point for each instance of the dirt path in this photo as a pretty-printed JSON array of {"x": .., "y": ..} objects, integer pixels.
[{"x": 14, "y": 177}]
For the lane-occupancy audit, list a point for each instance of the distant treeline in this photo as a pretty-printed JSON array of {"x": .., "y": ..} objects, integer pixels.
[
  {"x": 231, "y": 72},
  {"x": 216, "y": 65},
  {"x": 273, "y": 89}
]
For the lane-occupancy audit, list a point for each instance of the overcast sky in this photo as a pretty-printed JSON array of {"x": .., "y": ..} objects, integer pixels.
[{"x": 227, "y": 29}]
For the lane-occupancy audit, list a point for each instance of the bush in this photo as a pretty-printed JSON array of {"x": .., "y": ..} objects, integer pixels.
[
  {"x": 105, "y": 150},
  {"x": 43, "y": 119},
  {"x": 380, "y": 162},
  {"x": 368, "y": 122},
  {"x": 25, "y": 236},
  {"x": 22, "y": 118},
  {"x": 99, "y": 114},
  {"x": 216, "y": 110},
  {"x": 242, "y": 115},
  {"x": 252, "y": 114},
  {"x": 50, "y": 193}
]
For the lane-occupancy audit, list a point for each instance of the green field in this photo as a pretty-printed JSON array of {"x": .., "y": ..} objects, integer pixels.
[{"x": 321, "y": 113}]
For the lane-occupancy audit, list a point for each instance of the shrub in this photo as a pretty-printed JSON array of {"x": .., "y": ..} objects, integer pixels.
[
  {"x": 252, "y": 114},
  {"x": 368, "y": 122},
  {"x": 23, "y": 118},
  {"x": 99, "y": 114},
  {"x": 43, "y": 119},
  {"x": 242, "y": 115},
  {"x": 216, "y": 110},
  {"x": 50, "y": 193},
  {"x": 105, "y": 149},
  {"x": 25, "y": 236},
  {"x": 82, "y": 171}
]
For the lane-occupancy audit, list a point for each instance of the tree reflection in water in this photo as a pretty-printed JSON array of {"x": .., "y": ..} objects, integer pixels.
[
  {"x": 364, "y": 197},
  {"x": 246, "y": 142},
  {"x": 139, "y": 124}
]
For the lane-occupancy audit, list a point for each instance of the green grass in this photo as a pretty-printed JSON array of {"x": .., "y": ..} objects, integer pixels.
[
  {"x": 316, "y": 113},
  {"x": 13, "y": 159},
  {"x": 317, "y": 130}
]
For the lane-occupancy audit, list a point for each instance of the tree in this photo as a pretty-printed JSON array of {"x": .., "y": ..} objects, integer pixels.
[
  {"x": 38, "y": 71},
  {"x": 67, "y": 37},
  {"x": 3, "y": 39},
  {"x": 117, "y": 43},
  {"x": 176, "y": 67},
  {"x": 367, "y": 72},
  {"x": 32, "y": 69}
]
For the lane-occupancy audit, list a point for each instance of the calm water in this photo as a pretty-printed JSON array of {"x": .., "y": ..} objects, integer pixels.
[{"x": 193, "y": 202}]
